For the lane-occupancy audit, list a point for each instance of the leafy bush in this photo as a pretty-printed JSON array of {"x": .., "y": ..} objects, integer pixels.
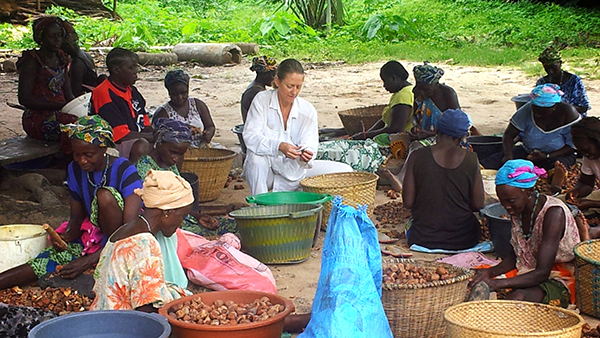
[
  {"x": 388, "y": 27},
  {"x": 280, "y": 26}
]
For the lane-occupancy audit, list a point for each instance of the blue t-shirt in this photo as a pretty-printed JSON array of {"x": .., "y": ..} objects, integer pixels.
[
  {"x": 533, "y": 137},
  {"x": 121, "y": 175}
]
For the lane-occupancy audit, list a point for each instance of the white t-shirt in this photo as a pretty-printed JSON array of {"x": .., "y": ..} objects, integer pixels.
[{"x": 591, "y": 167}]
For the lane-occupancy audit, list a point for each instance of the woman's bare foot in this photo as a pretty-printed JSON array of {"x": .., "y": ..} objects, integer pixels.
[
  {"x": 560, "y": 172},
  {"x": 388, "y": 175},
  {"x": 583, "y": 227}
]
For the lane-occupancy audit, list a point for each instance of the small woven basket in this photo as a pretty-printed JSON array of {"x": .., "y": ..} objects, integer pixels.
[
  {"x": 587, "y": 277},
  {"x": 503, "y": 318},
  {"x": 351, "y": 118},
  {"x": 212, "y": 168},
  {"x": 355, "y": 188},
  {"x": 417, "y": 310}
]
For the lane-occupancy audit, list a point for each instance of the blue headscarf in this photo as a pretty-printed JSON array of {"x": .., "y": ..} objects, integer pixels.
[
  {"x": 546, "y": 95},
  {"x": 168, "y": 130},
  {"x": 454, "y": 122},
  {"x": 519, "y": 174}
]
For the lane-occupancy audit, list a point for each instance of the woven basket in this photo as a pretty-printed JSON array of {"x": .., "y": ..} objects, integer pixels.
[
  {"x": 417, "y": 310},
  {"x": 503, "y": 318},
  {"x": 277, "y": 233},
  {"x": 351, "y": 118},
  {"x": 212, "y": 167},
  {"x": 587, "y": 277},
  {"x": 355, "y": 188}
]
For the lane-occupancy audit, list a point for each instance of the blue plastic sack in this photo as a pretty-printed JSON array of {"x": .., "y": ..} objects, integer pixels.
[{"x": 348, "y": 298}]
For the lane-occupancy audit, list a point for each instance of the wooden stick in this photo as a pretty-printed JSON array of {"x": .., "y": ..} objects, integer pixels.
[{"x": 56, "y": 239}]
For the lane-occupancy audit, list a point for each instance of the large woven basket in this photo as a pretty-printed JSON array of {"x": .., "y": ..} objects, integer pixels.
[
  {"x": 417, "y": 310},
  {"x": 212, "y": 167},
  {"x": 277, "y": 233},
  {"x": 587, "y": 277},
  {"x": 351, "y": 118},
  {"x": 355, "y": 188},
  {"x": 503, "y": 318}
]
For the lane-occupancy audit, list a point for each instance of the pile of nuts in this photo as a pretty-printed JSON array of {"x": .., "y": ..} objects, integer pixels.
[
  {"x": 393, "y": 194},
  {"x": 543, "y": 184},
  {"x": 588, "y": 331},
  {"x": 59, "y": 301},
  {"x": 402, "y": 273},
  {"x": 485, "y": 231},
  {"x": 225, "y": 312},
  {"x": 391, "y": 213}
]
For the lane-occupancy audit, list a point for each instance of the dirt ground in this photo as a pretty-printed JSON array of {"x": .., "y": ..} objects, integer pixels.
[{"x": 484, "y": 93}]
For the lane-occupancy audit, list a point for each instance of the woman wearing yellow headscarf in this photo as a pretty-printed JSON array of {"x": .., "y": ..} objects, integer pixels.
[{"x": 130, "y": 274}]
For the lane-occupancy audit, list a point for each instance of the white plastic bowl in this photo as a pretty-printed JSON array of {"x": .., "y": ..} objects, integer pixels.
[{"x": 79, "y": 106}]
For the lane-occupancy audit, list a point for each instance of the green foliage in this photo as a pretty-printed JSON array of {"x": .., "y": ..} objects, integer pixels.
[
  {"x": 475, "y": 32},
  {"x": 280, "y": 26},
  {"x": 388, "y": 27},
  {"x": 317, "y": 13}
]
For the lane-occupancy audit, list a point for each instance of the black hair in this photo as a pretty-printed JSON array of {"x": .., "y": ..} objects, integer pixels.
[
  {"x": 395, "y": 68},
  {"x": 588, "y": 127},
  {"x": 289, "y": 66},
  {"x": 117, "y": 56}
]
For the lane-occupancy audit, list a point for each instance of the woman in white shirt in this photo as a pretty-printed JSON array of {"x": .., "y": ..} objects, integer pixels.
[{"x": 281, "y": 134}]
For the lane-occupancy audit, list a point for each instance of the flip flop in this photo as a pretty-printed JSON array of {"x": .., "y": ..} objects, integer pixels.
[
  {"x": 481, "y": 291},
  {"x": 385, "y": 239},
  {"x": 395, "y": 251}
]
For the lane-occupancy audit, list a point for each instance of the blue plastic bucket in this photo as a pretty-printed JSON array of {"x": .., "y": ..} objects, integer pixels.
[{"x": 102, "y": 324}]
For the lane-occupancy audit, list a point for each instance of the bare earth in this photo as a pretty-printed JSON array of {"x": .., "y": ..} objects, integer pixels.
[{"x": 484, "y": 94}]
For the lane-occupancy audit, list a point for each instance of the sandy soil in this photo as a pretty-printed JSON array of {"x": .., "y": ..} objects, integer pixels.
[{"x": 484, "y": 93}]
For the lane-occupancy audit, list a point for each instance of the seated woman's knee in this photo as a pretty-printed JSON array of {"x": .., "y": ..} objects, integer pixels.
[{"x": 105, "y": 198}]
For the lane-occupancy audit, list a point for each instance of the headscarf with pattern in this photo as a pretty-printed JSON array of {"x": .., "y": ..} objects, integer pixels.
[
  {"x": 263, "y": 64},
  {"x": 546, "y": 95},
  {"x": 428, "y": 73},
  {"x": 550, "y": 56},
  {"x": 40, "y": 24},
  {"x": 175, "y": 76},
  {"x": 168, "y": 130},
  {"x": 91, "y": 129},
  {"x": 519, "y": 174}
]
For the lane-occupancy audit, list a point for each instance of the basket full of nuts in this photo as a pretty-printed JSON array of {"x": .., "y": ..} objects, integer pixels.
[
  {"x": 416, "y": 294},
  {"x": 221, "y": 314}
]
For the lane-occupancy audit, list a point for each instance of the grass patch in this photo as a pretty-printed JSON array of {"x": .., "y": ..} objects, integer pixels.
[{"x": 466, "y": 32}]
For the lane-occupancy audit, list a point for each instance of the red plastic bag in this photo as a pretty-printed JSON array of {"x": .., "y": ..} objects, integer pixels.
[{"x": 220, "y": 266}]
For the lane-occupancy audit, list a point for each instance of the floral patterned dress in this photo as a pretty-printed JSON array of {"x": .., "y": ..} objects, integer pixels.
[{"x": 130, "y": 274}]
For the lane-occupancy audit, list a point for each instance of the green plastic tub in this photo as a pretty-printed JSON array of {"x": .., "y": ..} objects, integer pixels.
[
  {"x": 276, "y": 234},
  {"x": 293, "y": 197},
  {"x": 289, "y": 197}
]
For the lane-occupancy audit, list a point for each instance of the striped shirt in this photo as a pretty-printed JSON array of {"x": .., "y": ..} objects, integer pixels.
[{"x": 121, "y": 175}]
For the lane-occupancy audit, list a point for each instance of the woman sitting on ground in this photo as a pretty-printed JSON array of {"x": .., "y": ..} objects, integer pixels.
[
  {"x": 101, "y": 189},
  {"x": 130, "y": 274},
  {"x": 82, "y": 70},
  {"x": 570, "y": 84},
  {"x": 44, "y": 86},
  {"x": 543, "y": 236},
  {"x": 281, "y": 134},
  {"x": 586, "y": 138},
  {"x": 442, "y": 180},
  {"x": 172, "y": 141},
  {"x": 188, "y": 110},
  {"x": 397, "y": 115},
  {"x": 544, "y": 124},
  {"x": 265, "y": 69}
]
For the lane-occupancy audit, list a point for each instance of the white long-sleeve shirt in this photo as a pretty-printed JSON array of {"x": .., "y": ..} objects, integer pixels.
[{"x": 264, "y": 131}]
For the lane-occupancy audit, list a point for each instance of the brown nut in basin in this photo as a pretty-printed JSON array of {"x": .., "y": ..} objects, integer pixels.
[{"x": 268, "y": 326}]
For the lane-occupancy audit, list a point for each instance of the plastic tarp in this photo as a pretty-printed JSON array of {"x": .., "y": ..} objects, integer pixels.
[{"x": 348, "y": 298}]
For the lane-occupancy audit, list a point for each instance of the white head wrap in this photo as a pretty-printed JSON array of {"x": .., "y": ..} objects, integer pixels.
[{"x": 164, "y": 190}]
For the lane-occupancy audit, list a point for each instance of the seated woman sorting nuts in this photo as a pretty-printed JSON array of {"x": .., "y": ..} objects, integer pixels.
[{"x": 543, "y": 236}]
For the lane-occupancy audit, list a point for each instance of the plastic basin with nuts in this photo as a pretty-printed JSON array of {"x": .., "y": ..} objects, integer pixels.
[{"x": 270, "y": 328}]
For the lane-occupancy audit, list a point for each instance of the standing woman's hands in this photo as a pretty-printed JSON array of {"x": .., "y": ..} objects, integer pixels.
[{"x": 290, "y": 151}]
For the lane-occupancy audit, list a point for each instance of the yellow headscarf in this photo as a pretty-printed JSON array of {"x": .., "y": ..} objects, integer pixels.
[{"x": 165, "y": 190}]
